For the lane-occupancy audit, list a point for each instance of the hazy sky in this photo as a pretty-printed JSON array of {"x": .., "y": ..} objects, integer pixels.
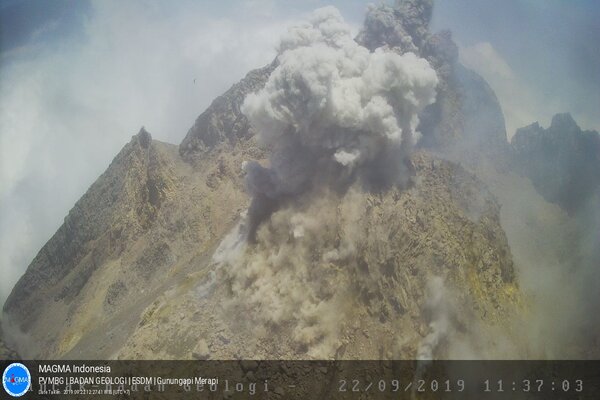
[
  {"x": 79, "y": 78},
  {"x": 540, "y": 57}
]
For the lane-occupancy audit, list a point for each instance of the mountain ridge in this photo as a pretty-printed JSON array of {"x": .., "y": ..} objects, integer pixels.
[{"x": 562, "y": 160}]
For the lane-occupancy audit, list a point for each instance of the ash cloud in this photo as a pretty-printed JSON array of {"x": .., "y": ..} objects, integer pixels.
[
  {"x": 333, "y": 112},
  {"x": 404, "y": 26}
]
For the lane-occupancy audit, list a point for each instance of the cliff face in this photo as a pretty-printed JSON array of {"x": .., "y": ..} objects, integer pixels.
[
  {"x": 138, "y": 269},
  {"x": 562, "y": 161},
  {"x": 223, "y": 121},
  {"x": 112, "y": 215}
]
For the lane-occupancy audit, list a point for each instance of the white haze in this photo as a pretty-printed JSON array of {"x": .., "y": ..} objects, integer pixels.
[
  {"x": 540, "y": 57},
  {"x": 521, "y": 103}
]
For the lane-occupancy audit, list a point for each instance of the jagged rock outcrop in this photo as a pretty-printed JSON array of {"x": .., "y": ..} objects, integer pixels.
[
  {"x": 484, "y": 129},
  {"x": 562, "y": 161},
  {"x": 223, "y": 121},
  {"x": 116, "y": 210}
]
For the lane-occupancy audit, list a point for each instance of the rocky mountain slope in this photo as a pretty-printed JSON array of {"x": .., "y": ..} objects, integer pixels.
[
  {"x": 123, "y": 243},
  {"x": 152, "y": 261},
  {"x": 138, "y": 289},
  {"x": 361, "y": 286}
]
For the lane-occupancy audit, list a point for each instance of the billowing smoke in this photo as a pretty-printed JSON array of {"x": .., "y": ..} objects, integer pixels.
[
  {"x": 455, "y": 332},
  {"x": 404, "y": 25},
  {"x": 438, "y": 307},
  {"x": 333, "y": 112}
]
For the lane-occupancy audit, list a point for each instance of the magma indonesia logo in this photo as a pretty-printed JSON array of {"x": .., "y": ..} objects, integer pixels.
[{"x": 16, "y": 379}]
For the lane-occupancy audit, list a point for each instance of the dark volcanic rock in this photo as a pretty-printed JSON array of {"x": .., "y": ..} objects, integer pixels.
[
  {"x": 562, "y": 161},
  {"x": 484, "y": 127},
  {"x": 223, "y": 121}
]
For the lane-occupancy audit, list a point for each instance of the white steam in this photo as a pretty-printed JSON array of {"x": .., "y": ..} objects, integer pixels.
[{"x": 438, "y": 307}]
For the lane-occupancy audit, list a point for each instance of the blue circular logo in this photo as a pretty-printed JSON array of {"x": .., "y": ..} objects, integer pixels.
[{"x": 16, "y": 379}]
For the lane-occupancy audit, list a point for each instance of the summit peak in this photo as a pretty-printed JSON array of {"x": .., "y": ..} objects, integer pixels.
[{"x": 144, "y": 137}]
